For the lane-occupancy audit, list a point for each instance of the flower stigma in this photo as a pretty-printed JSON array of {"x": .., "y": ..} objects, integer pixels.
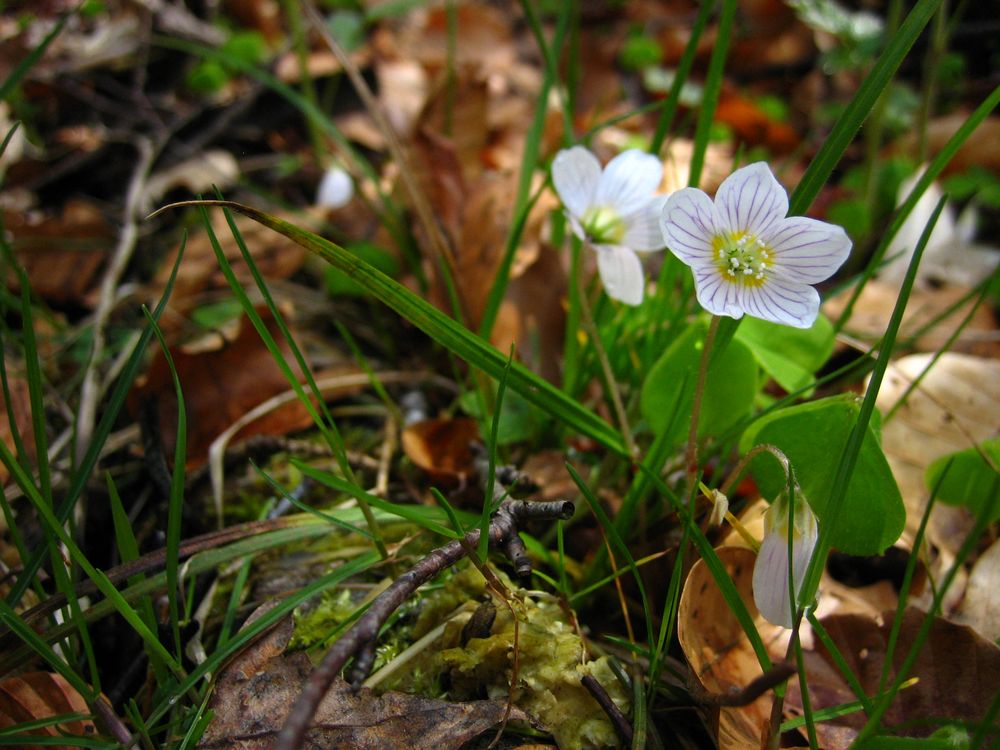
[
  {"x": 742, "y": 258},
  {"x": 603, "y": 225}
]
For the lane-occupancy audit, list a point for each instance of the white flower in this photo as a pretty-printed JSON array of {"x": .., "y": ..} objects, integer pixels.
[
  {"x": 335, "y": 189},
  {"x": 770, "y": 572},
  {"x": 615, "y": 210},
  {"x": 746, "y": 255}
]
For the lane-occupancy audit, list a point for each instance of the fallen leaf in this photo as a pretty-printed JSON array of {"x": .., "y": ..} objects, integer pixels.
[
  {"x": 39, "y": 695},
  {"x": 955, "y": 406},
  {"x": 61, "y": 254},
  {"x": 255, "y": 692},
  {"x": 442, "y": 448},
  {"x": 718, "y": 650},
  {"x": 870, "y": 317},
  {"x": 980, "y": 609},
  {"x": 958, "y": 672},
  {"x": 980, "y": 149},
  {"x": 219, "y": 386},
  {"x": 199, "y": 174},
  {"x": 20, "y": 406}
]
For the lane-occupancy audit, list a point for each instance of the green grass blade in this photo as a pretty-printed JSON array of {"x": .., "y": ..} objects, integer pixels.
[
  {"x": 109, "y": 416},
  {"x": 711, "y": 91},
  {"x": 176, "y": 501},
  {"x": 454, "y": 337},
  {"x": 30, "y": 59},
  {"x": 669, "y": 106},
  {"x": 845, "y": 468},
  {"x": 840, "y": 137}
]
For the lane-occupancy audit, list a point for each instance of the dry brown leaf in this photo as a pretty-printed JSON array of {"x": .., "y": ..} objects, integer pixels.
[
  {"x": 958, "y": 674},
  {"x": 203, "y": 172},
  {"x": 21, "y": 407},
  {"x": 870, "y": 317},
  {"x": 981, "y": 149},
  {"x": 980, "y": 609},
  {"x": 718, "y": 650},
  {"x": 256, "y": 690},
  {"x": 39, "y": 695},
  {"x": 442, "y": 448},
  {"x": 61, "y": 254},
  {"x": 955, "y": 406},
  {"x": 199, "y": 278},
  {"x": 219, "y": 387}
]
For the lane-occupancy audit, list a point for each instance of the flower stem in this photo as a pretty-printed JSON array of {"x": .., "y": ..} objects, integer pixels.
[
  {"x": 691, "y": 454},
  {"x": 609, "y": 377}
]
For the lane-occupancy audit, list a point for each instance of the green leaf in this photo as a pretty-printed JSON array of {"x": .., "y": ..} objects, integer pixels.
[
  {"x": 968, "y": 479},
  {"x": 668, "y": 392},
  {"x": 789, "y": 355},
  {"x": 519, "y": 420},
  {"x": 814, "y": 436}
]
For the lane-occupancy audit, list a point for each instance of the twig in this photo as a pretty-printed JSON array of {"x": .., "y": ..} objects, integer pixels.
[
  {"x": 92, "y": 387},
  {"x": 360, "y": 640},
  {"x": 623, "y": 728},
  {"x": 750, "y": 692}
]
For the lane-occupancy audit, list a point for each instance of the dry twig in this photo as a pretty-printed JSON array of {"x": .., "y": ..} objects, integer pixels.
[{"x": 360, "y": 640}]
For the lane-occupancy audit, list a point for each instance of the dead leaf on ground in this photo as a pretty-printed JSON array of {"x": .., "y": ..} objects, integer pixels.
[
  {"x": 871, "y": 313},
  {"x": 955, "y": 406},
  {"x": 980, "y": 609},
  {"x": 21, "y": 407},
  {"x": 202, "y": 173},
  {"x": 958, "y": 673},
  {"x": 220, "y": 385},
  {"x": 255, "y": 692},
  {"x": 39, "y": 695},
  {"x": 718, "y": 650},
  {"x": 980, "y": 149},
  {"x": 441, "y": 447},
  {"x": 199, "y": 278},
  {"x": 63, "y": 254}
]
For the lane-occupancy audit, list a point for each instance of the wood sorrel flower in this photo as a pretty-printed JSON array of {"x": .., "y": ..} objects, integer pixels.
[
  {"x": 615, "y": 211},
  {"x": 746, "y": 255},
  {"x": 770, "y": 572}
]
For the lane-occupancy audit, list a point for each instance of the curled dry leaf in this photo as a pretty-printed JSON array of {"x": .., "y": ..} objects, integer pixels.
[
  {"x": 201, "y": 173},
  {"x": 442, "y": 448},
  {"x": 255, "y": 692},
  {"x": 39, "y": 695},
  {"x": 20, "y": 407},
  {"x": 718, "y": 650}
]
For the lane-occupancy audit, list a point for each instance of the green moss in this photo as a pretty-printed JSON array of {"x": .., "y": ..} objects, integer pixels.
[{"x": 550, "y": 655}]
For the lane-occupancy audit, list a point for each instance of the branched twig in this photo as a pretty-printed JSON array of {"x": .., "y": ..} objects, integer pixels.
[
  {"x": 623, "y": 728},
  {"x": 359, "y": 641}
]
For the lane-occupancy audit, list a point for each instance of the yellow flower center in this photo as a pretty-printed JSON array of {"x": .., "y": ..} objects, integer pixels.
[
  {"x": 603, "y": 225},
  {"x": 742, "y": 258}
]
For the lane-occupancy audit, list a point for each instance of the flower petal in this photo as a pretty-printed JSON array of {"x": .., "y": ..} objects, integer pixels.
[
  {"x": 751, "y": 200},
  {"x": 770, "y": 581},
  {"x": 688, "y": 225},
  {"x": 621, "y": 272},
  {"x": 642, "y": 228},
  {"x": 715, "y": 293},
  {"x": 781, "y": 301},
  {"x": 807, "y": 250},
  {"x": 575, "y": 174},
  {"x": 629, "y": 181}
]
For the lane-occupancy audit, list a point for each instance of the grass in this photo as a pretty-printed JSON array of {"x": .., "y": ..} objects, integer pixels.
[{"x": 629, "y": 494}]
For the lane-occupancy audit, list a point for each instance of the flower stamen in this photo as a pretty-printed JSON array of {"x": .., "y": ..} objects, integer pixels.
[
  {"x": 743, "y": 257},
  {"x": 603, "y": 225}
]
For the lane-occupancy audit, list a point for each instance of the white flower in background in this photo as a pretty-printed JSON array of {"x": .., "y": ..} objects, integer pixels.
[
  {"x": 746, "y": 255},
  {"x": 615, "y": 210},
  {"x": 770, "y": 572},
  {"x": 335, "y": 189},
  {"x": 951, "y": 254}
]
